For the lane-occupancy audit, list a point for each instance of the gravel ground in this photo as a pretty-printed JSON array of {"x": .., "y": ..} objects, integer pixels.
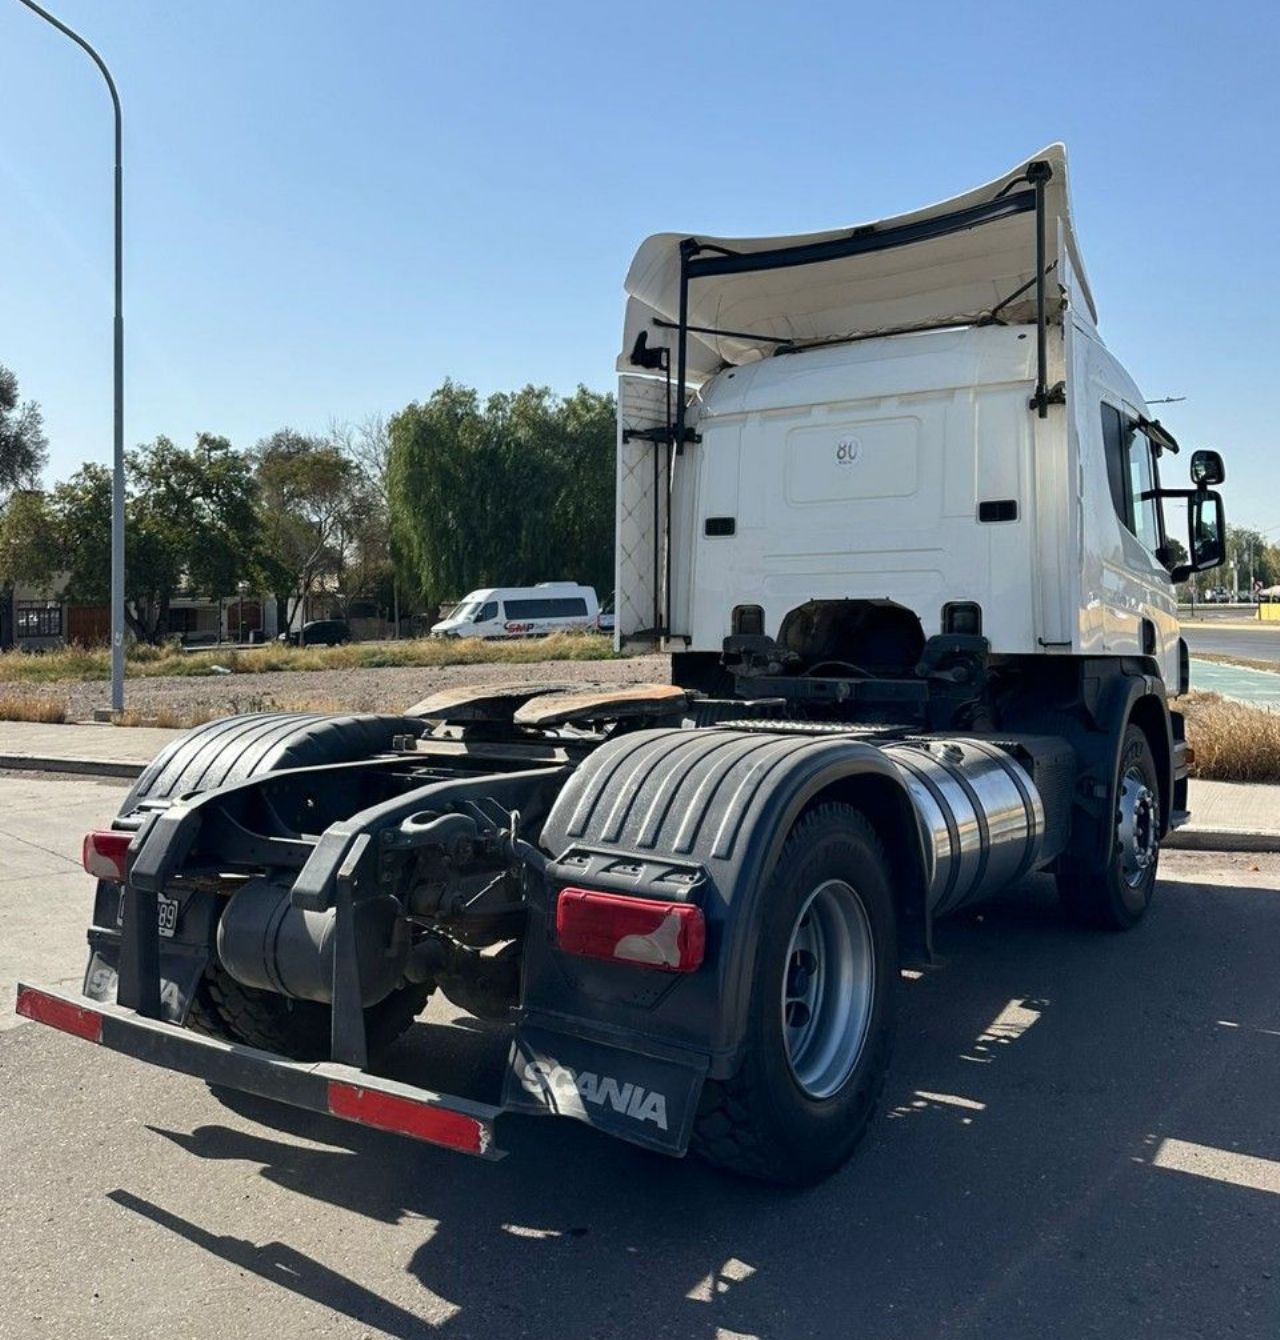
[{"x": 383, "y": 690}]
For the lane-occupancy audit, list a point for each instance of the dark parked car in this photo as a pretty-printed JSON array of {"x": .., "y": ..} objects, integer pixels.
[{"x": 319, "y": 633}]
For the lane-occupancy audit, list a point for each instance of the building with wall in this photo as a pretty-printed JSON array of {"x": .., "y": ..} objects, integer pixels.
[{"x": 34, "y": 620}]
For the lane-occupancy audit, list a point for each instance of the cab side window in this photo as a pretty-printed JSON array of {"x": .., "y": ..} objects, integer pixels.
[
  {"x": 1142, "y": 480},
  {"x": 487, "y": 612},
  {"x": 1117, "y": 475},
  {"x": 1131, "y": 472}
]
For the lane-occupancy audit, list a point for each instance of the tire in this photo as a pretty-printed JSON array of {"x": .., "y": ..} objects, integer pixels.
[
  {"x": 232, "y": 750},
  {"x": 802, "y": 1100},
  {"x": 1114, "y": 893},
  {"x": 298, "y": 1029}
]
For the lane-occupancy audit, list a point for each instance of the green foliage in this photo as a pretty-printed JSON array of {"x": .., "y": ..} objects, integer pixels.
[
  {"x": 81, "y": 507},
  {"x": 516, "y": 491},
  {"x": 309, "y": 499},
  {"x": 200, "y": 507},
  {"x": 1253, "y": 557},
  {"x": 23, "y": 446},
  {"x": 190, "y": 523},
  {"x": 31, "y": 548},
  {"x": 452, "y": 494}
]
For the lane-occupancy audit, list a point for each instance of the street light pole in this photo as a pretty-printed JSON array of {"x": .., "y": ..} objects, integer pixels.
[{"x": 117, "y": 475}]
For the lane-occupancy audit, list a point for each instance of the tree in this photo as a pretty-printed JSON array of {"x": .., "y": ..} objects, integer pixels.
[
  {"x": 1273, "y": 565},
  {"x": 23, "y": 445},
  {"x": 434, "y": 450},
  {"x": 369, "y": 446},
  {"x": 307, "y": 487},
  {"x": 516, "y": 491},
  {"x": 1252, "y": 556},
  {"x": 25, "y": 546},
  {"x": 368, "y": 561},
  {"x": 31, "y": 545},
  {"x": 190, "y": 520},
  {"x": 191, "y": 524}
]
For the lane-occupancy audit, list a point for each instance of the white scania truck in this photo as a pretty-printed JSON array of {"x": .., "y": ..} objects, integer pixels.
[{"x": 899, "y": 517}]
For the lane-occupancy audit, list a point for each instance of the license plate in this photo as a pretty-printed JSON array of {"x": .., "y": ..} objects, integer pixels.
[{"x": 166, "y": 914}]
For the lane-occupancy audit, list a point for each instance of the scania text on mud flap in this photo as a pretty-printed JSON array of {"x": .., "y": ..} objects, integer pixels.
[{"x": 897, "y": 516}]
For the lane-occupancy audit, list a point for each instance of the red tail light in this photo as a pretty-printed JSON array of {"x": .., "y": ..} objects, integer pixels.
[
  {"x": 106, "y": 855},
  {"x": 669, "y": 936}
]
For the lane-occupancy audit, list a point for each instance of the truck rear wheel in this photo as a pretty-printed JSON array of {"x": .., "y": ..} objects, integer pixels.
[
  {"x": 820, "y": 1027},
  {"x": 233, "y": 749},
  {"x": 298, "y": 1029},
  {"x": 1115, "y": 894}
]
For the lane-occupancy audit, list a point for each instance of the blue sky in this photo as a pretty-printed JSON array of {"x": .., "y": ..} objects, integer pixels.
[{"x": 330, "y": 207}]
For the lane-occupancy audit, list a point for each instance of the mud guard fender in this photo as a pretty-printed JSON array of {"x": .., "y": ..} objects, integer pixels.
[
  {"x": 696, "y": 815},
  {"x": 1118, "y": 699}
]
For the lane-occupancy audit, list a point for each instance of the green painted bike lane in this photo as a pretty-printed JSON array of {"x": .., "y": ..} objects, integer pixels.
[{"x": 1259, "y": 688}]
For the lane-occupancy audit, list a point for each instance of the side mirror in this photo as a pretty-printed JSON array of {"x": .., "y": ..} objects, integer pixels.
[
  {"x": 1208, "y": 532},
  {"x": 1207, "y": 469}
]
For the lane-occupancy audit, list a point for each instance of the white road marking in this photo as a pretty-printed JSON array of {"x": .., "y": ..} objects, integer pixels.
[{"x": 1219, "y": 1165}]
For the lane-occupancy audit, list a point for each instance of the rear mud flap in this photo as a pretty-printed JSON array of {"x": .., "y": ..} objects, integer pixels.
[
  {"x": 180, "y": 971},
  {"x": 648, "y": 1100},
  {"x": 183, "y": 943}
]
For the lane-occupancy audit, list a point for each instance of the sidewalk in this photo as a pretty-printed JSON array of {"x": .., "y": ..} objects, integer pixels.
[
  {"x": 97, "y": 750},
  {"x": 1231, "y": 816},
  {"x": 1225, "y": 816}
]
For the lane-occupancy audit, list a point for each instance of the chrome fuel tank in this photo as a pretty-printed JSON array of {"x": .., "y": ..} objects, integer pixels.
[{"x": 980, "y": 813}]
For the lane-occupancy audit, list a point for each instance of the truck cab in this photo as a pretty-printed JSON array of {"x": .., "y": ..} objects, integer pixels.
[{"x": 902, "y": 430}]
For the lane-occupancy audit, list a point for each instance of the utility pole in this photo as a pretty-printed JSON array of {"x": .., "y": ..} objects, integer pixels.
[{"x": 117, "y": 471}]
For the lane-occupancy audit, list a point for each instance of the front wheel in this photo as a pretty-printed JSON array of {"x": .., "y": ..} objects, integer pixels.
[
  {"x": 1115, "y": 894},
  {"x": 820, "y": 1026}
]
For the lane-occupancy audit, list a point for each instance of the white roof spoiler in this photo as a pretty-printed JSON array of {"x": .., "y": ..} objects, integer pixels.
[{"x": 968, "y": 259}]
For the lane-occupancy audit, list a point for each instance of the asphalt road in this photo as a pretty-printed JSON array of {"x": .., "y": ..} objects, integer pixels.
[
  {"x": 1079, "y": 1139},
  {"x": 1261, "y": 643}
]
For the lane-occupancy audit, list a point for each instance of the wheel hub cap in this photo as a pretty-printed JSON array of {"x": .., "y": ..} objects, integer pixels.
[
  {"x": 1137, "y": 826},
  {"x": 827, "y": 988}
]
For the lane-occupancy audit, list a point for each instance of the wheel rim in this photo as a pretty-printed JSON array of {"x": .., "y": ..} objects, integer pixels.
[
  {"x": 828, "y": 987},
  {"x": 1137, "y": 828}
]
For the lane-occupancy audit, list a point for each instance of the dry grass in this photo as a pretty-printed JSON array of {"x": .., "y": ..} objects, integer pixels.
[
  {"x": 27, "y": 708},
  {"x": 1233, "y": 742},
  {"x": 169, "y": 719},
  {"x": 146, "y": 662}
]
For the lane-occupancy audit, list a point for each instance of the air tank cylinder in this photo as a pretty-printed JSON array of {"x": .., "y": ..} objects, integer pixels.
[{"x": 267, "y": 943}]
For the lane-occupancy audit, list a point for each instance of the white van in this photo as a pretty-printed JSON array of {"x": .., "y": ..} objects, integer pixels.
[{"x": 522, "y": 611}]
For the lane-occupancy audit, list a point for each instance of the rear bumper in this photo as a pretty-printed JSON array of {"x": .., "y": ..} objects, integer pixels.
[{"x": 336, "y": 1090}]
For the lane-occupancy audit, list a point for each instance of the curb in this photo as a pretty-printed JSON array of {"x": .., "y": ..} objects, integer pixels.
[
  {"x": 83, "y": 767},
  {"x": 1222, "y": 839}
]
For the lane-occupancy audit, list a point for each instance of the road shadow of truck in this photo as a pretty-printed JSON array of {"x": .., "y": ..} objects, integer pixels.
[{"x": 1029, "y": 1172}]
